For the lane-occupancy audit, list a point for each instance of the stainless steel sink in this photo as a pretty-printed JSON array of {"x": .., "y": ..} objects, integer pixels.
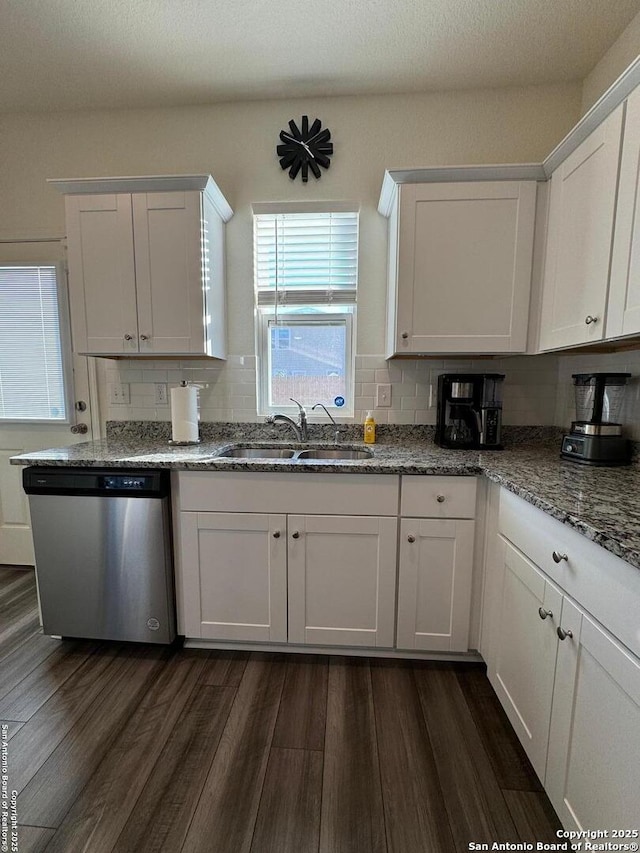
[
  {"x": 307, "y": 453},
  {"x": 257, "y": 453},
  {"x": 334, "y": 453}
]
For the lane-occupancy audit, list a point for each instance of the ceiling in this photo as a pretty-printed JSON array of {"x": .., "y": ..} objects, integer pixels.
[{"x": 87, "y": 54}]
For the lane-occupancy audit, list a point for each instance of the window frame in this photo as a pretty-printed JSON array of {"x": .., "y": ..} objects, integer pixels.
[
  {"x": 264, "y": 318},
  {"x": 64, "y": 321},
  {"x": 318, "y": 298}
]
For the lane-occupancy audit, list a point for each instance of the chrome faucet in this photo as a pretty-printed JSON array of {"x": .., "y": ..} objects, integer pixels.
[
  {"x": 336, "y": 428},
  {"x": 300, "y": 428}
]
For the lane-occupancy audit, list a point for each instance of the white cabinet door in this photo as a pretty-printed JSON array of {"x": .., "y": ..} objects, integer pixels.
[
  {"x": 464, "y": 255},
  {"x": 234, "y": 576},
  {"x": 434, "y": 584},
  {"x": 593, "y": 772},
  {"x": 524, "y": 647},
  {"x": 102, "y": 279},
  {"x": 169, "y": 282},
  {"x": 342, "y": 580},
  {"x": 623, "y": 315},
  {"x": 580, "y": 233}
]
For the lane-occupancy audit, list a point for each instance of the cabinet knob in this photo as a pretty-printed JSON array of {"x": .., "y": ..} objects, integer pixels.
[
  {"x": 128, "y": 337},
  {"x": 589, "y": 319},
  {"x": 411, "y": 538},
  {"x": 276, "y": 534},
  {"x": 296, "y": 534},
  {"x": 558, "y": 558},
  {"x": 544, "y": 613},
  {"x": 144, "y": 337},
  {"x": 440, "y": 498},
  {"x": 562, "y": 634},
  {"x": 404, "y": 336}
]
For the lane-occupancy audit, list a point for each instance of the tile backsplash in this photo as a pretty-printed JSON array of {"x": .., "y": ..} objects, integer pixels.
[{"x": 228, "y": 390}]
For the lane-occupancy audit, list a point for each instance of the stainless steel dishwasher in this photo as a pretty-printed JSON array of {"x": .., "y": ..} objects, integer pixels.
[{"x": 102, "y": 542}]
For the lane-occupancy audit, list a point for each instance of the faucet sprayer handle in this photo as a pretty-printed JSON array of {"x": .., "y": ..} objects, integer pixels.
[{"x": 299, "y": 405}]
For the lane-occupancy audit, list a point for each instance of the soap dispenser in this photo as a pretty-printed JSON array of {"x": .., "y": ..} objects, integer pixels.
[{"x": 369, "y": 429}]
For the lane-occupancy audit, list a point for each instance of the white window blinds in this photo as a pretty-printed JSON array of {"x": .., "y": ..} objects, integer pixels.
[
  {"x": 306, "y": 258},
  {"x": 31, "y": 369}
]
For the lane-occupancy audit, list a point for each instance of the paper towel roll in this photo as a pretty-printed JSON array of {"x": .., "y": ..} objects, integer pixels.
[{"x": 184, "y": 413}]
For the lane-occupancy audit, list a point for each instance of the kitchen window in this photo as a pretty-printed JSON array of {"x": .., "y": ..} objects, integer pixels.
[
  {"x": 32, "y": 369},
  {"x": 306, "y": 272}
]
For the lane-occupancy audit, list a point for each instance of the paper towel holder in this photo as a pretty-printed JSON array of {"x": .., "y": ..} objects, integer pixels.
[{"x": 185, "y": 443}]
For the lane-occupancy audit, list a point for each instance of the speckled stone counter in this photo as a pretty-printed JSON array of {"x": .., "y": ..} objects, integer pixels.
[{"x": 601, "y": 503}]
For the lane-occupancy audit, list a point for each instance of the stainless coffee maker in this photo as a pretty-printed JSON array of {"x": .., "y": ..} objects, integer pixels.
[
  {"x": 469, "y": 412},
  {"x": 596, "y": 434}
]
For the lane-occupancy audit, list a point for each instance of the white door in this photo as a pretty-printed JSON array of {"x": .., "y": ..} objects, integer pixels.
[
  {"x": 524, "y": 651},
  {"x": 623, "y": 315},
  {"x": 464, "y": 266},
  {"x": 234, "y": 572},
  {"x": 434, "y": 584},
  {"x": 593, "y": 772},
  {"x": 342, "y": 580},
  {"x": 580, "y": 233},
  {"x": 16, "y": 546},
  {"x": 168, "y": 258},
  {"x": 102, "y": 278}
]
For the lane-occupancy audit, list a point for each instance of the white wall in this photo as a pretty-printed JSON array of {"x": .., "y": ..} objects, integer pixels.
[
  {"x": 619, "y": 56},
  {"x": 236, "y": 143}
]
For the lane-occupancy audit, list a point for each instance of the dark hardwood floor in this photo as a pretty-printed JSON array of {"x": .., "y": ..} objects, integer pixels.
[{"x": 117, "y": 747}]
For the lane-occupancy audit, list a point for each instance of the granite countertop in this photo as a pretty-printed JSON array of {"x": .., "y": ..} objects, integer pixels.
[{"x": 601, "y": 503}]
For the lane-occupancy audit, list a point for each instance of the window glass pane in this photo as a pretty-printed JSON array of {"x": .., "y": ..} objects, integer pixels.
[
  {"x": 31, "y": 370},
  {"x": 311, "y": 366}
]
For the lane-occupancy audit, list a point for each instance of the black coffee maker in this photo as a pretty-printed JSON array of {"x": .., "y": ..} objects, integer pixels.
[{"x": 469, "y": 411}]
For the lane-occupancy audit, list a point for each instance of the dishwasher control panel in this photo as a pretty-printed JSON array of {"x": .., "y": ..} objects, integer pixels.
[
  {"x": 95, "y": 481},
  {"x": 125, "y": 482}
]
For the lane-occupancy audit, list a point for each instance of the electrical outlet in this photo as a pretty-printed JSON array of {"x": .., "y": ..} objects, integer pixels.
[
  {"x": 120, "y": 393},
  {"x": 383, "y": 396},
  {"x": 161, "y": 394}
]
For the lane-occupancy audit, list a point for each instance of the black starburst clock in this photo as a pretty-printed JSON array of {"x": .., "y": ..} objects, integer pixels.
[{"x": 305, "y": 148}]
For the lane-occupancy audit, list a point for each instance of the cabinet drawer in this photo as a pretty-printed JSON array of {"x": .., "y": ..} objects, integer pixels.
[
  {"x": 314, "y": 494},
  {"x": 606, "y": 586},
  {"x": 438, "y": 497}
]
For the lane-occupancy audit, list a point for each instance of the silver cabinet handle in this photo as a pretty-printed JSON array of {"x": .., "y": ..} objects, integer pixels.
[
  {"x": 144, "y": 337},
  {"x": 589, "y": 319},
  {"x": 411, "y": 538},
  {"x": 562, "y": 634},
  {"x": 558, "y": 558},
  {"x": 544, "y": 613},
  {"x": 276, "y": 534},
  {"x": 128, "y": 337},
  {"x": 404, "y": 336},
  {"x": 79, "y": 429},
  {"x": 440, "y": 498},
  {"x": 296, "y": 534}
]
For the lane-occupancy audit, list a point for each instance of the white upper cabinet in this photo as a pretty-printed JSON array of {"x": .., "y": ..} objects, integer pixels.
[
  {"x": 460, "y": 256},
  {"x": 579, "y": 239},
  {"x": 623, "y": 316},
  {"x": 146, "y": 267}
]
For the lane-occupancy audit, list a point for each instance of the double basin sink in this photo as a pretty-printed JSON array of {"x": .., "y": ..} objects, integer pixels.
[{"x": 307, "y": 453}]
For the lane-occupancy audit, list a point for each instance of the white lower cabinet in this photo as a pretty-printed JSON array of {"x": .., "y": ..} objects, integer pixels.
[
  {"x": 325, "y": 577},
  {"x": 593, "y": 772},
  {"x": 434, "y": 584},
  {"x": 570, "y": 688},
  {"x": 234, "y": 568},
  {"x": 341, "y": 584},
  {"x": 342, "y": 580},
  {"x": 523, "y": 662}
]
